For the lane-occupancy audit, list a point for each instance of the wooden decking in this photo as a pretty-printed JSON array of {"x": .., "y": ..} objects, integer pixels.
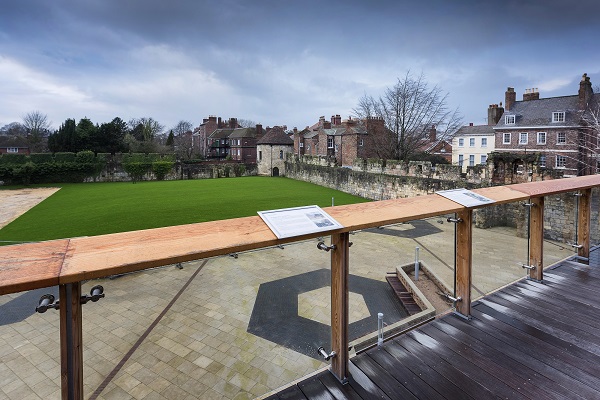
[{"x": 527, "y": 341}]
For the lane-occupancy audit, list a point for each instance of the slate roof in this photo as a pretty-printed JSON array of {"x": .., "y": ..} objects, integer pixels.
[
  {"x": 243, "y": 133},
  {"x": 13, "y": 141},
  {"x": 475, "y": 130},
  {"x": 539, "y": 112},
  {"x": 276, "y": 136},
  {"x": 220, "y": 133}
]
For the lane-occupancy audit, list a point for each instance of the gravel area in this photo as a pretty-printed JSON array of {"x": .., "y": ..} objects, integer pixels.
[{"x": 14, "y": 203}]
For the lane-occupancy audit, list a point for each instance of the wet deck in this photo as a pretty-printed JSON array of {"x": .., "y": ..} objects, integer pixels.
[{"x": 527, "y": 341}]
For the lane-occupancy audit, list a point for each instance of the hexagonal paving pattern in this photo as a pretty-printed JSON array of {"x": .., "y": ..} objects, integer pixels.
[{"x": 316, "y": 305}]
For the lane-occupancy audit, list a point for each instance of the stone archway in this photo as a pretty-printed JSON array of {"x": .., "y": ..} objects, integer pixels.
[{"x": 275, "y": 171}]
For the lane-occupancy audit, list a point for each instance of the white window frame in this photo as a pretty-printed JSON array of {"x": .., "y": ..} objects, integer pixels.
[
  {"x": 483, "y": 142},
  {"x": 510, "y": 119},
  {"x": 541, "y": 135},
  {"x": 461, "y": 160},
  {"x": 558, "y": 116},
  {"x": 483, "y": 159},
  {"x": 504, "y": 136},
  {"x": 301, "y": 144},
  {"x": 561, "y": 138},
  {"x": 330, "y": 142},
  {"x": 472, "y": 142},
  {"x": 561, "y": 160},
  {"x": 523, "y": 135},
  {"x": 361, "y": 142},
  {"x": 542, "y": 161},
  {"x": 461, "y": 142},
  {"x": 12, "y": 149},
  {"x": 471, "y": 160}
]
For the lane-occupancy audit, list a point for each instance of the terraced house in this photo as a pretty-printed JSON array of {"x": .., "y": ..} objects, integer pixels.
[{"x": 556, "y": 129}]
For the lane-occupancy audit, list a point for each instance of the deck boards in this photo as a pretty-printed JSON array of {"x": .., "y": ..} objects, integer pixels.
[{"x": 529, "y": 340}]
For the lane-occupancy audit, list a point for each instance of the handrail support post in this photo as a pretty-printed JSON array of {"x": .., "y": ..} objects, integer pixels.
[{"x": 339, "y": 305}]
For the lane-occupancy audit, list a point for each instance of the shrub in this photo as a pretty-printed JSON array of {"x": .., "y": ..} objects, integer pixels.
[
  {"x": 161, "y": 169},
  {"x": 64, "y": 157},
  {"x": 38, "y": 158}
]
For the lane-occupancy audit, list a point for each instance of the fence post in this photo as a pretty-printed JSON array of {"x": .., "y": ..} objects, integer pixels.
[
  {"x": 71, "y": 343},
  {"x": 339, "y": 305},
  {"x": 464, "y": 238},
  {"x": 536, "y": 238},
  {"x": 583, "y": 223}
]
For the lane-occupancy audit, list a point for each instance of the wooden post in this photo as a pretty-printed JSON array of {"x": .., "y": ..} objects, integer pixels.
[
  {"x": 583, "y": 223},
  {"x": 464, "y": 240},
  {"x": 536, "y": 238},
  {"x": 71, "y": 343},
  {"x": 339, "y": 305}
]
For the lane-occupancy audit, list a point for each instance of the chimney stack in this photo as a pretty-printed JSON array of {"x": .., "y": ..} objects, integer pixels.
[
  {"x": 510, "y": 97},
  {"x": 432, "y": 134},
  {"x": 585, "y": 92},
  {"x": 495, "y": 112},
  {"x": 259, "y": 130},
  {"x": 232, "y": 123},
  {"x": 219, "y": 124},
  {"x": 470, "y": 124},
  {"x": 531, "y": 94}
]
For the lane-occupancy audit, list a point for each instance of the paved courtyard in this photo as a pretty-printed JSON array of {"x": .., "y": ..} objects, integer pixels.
[{"x": 172, "y": 333}]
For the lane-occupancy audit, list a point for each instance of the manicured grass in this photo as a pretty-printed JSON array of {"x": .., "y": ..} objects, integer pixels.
[{"x": 99, "y": 208}]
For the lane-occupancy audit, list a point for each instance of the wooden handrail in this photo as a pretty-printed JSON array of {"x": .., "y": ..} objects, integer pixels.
[{"x": 36, "y": 265}]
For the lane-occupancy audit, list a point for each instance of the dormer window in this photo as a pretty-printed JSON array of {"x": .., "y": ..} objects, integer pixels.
[
  {"x": 509, "y": 119},
  {"x": 558, "y": 116}
]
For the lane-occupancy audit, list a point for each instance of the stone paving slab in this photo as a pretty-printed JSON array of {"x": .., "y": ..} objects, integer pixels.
[
  {"x": 16, "y": 202},
  {"x": 153, "y": 337}
]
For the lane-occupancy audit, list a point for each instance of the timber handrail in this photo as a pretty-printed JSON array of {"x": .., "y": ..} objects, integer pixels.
[{"x": 36, "y": 265}]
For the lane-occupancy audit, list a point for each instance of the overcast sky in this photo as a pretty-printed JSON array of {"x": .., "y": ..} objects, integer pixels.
[{"x": 282, "y": 62}]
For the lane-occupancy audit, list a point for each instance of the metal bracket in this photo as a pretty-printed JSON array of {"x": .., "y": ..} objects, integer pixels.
[
  {"x": 46, "y": 302},
  {"x": 578, "y": 194},
  {"x": 528, "y": 267},
  {"x": 324, "y": 354},
  {"x": 324, "y": 247},
  {"x": 576, "y": 246},
  {"x": 96, "y": 293},
  {"x": 453, "y": 299},
  {"x": 234, "y": 255},
  {"x": 455, "y": 220},
  {"x": 528, "y": 204}
]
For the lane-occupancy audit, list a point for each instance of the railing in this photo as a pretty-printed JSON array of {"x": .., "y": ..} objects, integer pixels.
[{"x": 69, "y": 262}]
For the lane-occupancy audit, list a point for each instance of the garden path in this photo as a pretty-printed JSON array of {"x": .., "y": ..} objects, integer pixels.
[{"x": 14, "y": 203}]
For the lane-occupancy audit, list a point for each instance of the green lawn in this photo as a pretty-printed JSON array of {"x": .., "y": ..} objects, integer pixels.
[{"x": 99, "y": 208}]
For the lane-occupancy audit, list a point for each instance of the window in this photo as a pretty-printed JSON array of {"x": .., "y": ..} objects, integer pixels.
[
  {"x": 12, "y": 150},
  {"x": 361, "y": 142},
  {"x": 561, "y": 161},
  {"x": 561, "y": 138},
  {"x": 281, "y": 154},
  {"x": 483, "y": 159},
  {"x": 301, "y": 144},
  {"x": 471, "y": 160},
  {"x": 523, "y": 138},
  {"x": 558, "y": 116},
  {"x": 509, "y": 119},
  {"x": 506, "y": 138},
  {"x": 460, "y": 160},
  {"x": 330, "y": 142},
  {"x": 541, "y": 138},
  {"x": 542, "y": 161},
  {"x": 259, "y": 155},
  {"x": 308, "y": 147},
  {"x": 472, "y": 142},
  {"x": 483, "y": 142},
  {"x": 461, "y": 142}
]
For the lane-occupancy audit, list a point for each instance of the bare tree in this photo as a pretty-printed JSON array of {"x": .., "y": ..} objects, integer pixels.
[
  {"x": 145, "y": 129},
  {"x": 182, "y": 127},
  {"x": 246, "y": 123},
  {"x": 37, "y": 124},
  {"x": 409, "y": 109},
  {"x": 589, "y": 140}
]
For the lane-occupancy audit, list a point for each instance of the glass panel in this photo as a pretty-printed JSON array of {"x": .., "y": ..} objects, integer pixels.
[
  {"x": 29, "y": 347},
  {"x": 500, "y": 247},
  {"x": 559, "y": 227},
  {"x": 382, "y": 268},
  {"x": 237, "y": 326}
]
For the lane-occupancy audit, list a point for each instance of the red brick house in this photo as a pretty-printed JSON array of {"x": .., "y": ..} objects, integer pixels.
[
  {"x": 550, "y": 131},
  {"x": 242, "y": 143},
  {"x": 14, "y": 145},
  {"x": 201, "y": 134},
  {"x": 342, "y": 141}
]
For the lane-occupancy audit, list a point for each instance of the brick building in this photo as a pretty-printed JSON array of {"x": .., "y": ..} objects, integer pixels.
[
  {"x": 550, "y": 131},
  {"x": 242, "y": 143},
  {"x": 342, "y": 141},
  {"x": 203, "y": 144},
  {"x": 14, "y": 145}
]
